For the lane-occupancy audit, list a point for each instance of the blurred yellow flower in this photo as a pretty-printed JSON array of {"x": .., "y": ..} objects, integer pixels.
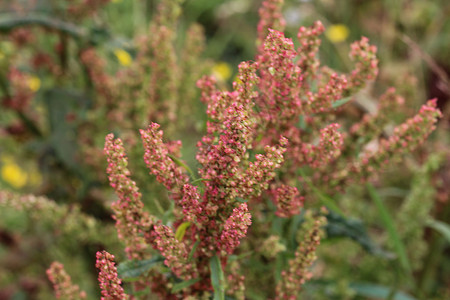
[
  {"x": 2, "y": 55},
  {"x": 337, "y": 33},
  {"x": 123, "y": 57},
  {"x": 222, "y": 71},
  {"x": 116, "y": 1},
  {"x": 34, "y": 83},
  {"x": 14, "y": 175}
]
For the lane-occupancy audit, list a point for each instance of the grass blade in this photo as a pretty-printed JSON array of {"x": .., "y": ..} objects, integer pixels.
[
  {"x": 441, "y": 227},
  {"x": 377, "y": 291},
  {"x": 184, "y": 284},
  {"x": 130, "y": 270},
  {"x": 389, "y": 225},
  {"x": 217, "y": 278}
]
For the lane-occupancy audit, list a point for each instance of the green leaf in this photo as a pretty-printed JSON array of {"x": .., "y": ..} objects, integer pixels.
[
  {"x": 217, "y": 278},
  {"x": 181, "y": 230},
  {"x": 376, "y": 291},
  {"x": 441, "y": 227},
  {"x": 240, "y": 256},
  {"x": 10, "y": 22},
  {"x": 191, "y": 253},
  {"x": 338, "y": 226},
  {"x": 130, "y": 270},
  {"x": 341, "y": 102},
  {"x": 184, "y": 166},
  {"x": 389, "y": 224},
  {"x": 196, "y": 181},
  {"x": 184, "y": 284},
  {"x": 242, "y": 200},
  {"x": 63, "y": 137}
]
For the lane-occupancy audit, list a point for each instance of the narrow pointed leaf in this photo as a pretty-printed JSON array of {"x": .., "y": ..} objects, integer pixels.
[
  {"x": 389, "y": 224},
  {"x": 184, "y": 284},
  {"x": 217, "y": 278},
  {"x": 131, "y": 269},
  {"x": 181, "y": 230},
  {"x": 441, "y": 227}
]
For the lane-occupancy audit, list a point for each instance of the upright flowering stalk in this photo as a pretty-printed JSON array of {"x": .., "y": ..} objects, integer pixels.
[
  {"x": 110, "y": 284},
  {"x": 101, "y": 80},
  {"x": 158, "y": 160},
  {"x": 309, "y": 41},
  {"x": 298, "y": 271},
  {"x": 270, "y": 17},
  {"x": 62, "y": 284},
  {"x": 280, "y": 82},
  {"x": 235, "y": 228},
  {"x": 366, "y": 64},
  {"x": 130, "y": 218},
  {"x": 164, "y": 70}
]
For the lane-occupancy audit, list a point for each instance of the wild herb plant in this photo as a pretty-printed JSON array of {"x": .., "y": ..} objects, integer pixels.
[{"x": 280, "y": 148}]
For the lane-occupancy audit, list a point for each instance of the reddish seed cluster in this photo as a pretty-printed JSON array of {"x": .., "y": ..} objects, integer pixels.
[
  {"x": 235, "y": 228},
  {"x": 308, "y": 38},
  {"x": 22, "y": 37},
  {"x": 84, "y": 8},
  {"x": 287, "y": 200},
  {"x": 235, "y": 280},
  {"x": 157, "y": 157},
  {"x": 20, "y": 91},
  {"x": 174, "y": 251},
  {"x": 110, "y": 284},
  {"x": 95, "y": 65},
  {"x": 128, "y": 210},
  {"x": 328, "y": 148},
  {"x": 192, "y": 208},
  {"x": 329, "y": 91},
  {"x": 62, "y": 283},
  {"x": 406, "y": 137},
  {"x": 366, "y": 67},
  {"x": 270, "y": 17},
  {"x": 260, "y": 172},
  {"x": 280, "y": 81}
]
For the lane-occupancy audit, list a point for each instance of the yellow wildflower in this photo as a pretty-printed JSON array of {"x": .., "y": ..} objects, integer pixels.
[
  {"x": 14, "y": 175},
  {"x": 34, "y": 83},
  {"x": 337, "y": 33},
  {"x": 222, "y": 71},
  {"x": 123, "y": 57}
]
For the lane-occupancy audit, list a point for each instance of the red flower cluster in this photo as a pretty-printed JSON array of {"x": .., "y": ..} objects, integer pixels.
[{"x": 110, "y": 284}]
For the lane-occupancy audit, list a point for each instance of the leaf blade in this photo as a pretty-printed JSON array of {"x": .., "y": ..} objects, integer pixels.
[
  {"x": 217, "y": 278},
  {"x": 130, "y": 270},
  {"x": 390, "y": 227}
]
